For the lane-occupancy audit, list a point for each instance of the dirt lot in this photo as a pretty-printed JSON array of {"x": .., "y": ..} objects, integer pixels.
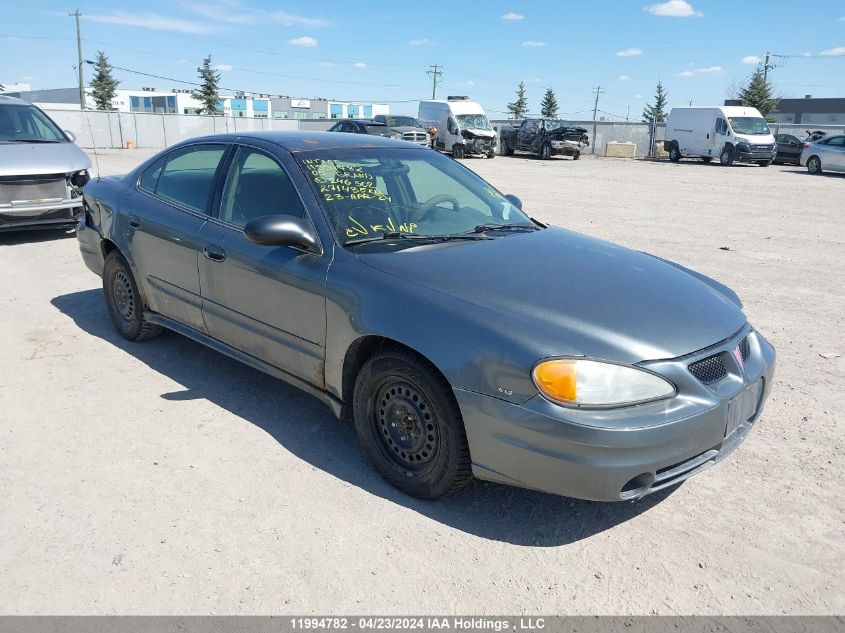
[{"x": 162, "y": 477}]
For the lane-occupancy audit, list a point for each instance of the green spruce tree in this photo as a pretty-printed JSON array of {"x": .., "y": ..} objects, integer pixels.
[
  {"x": 758, "y": 93},
  {"x": 208, "y": 94},
  {"x": 103, "y": 85},
  {"x": 519, "y": 108},
  {"x": 549, "y": 107},
  {"x": 657, "y": 113}
]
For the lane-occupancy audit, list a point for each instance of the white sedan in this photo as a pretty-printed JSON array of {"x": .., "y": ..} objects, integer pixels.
[{"x": 827, "y": 154}]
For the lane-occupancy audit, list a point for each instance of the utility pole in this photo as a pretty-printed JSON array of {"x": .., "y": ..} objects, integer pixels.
[
  {"x": 628, "y": 114},
  {"x": 766, "y": 67},
  {"x": 78, "y": 15},
  {"x": 598, "y": 92},
  {"x": 435, "y": 72}
]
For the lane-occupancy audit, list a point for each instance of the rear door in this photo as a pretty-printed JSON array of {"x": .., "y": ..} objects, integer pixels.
[
  {"x": 267, "y": 301},
  {"x": 163, "y": 222}
]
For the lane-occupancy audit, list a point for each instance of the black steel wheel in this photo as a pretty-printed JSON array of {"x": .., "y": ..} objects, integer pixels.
[
  {"x": 409, "y": 424},
  {"x": 124, "y": 302},
  {"x": 458, "y": 151}
]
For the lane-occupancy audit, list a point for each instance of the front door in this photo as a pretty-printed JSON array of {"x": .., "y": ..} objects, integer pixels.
[
  {"x": 267, "y": 301},
  {"x": 718, "y": 137}
]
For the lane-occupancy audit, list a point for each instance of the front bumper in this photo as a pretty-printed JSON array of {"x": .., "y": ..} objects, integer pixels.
[
  {"x": 752, "y": 153},
  {"x": 566, "y": 147},
  {"x": 483, "y": 146},
  {"x": 617, "y": 454},
  {"x": 43, "y": 215}
]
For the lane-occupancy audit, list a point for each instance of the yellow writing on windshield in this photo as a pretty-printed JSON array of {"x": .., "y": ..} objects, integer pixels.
[
  {"x": 342, "y": 181},
  {"x": 357, "y": 229}
]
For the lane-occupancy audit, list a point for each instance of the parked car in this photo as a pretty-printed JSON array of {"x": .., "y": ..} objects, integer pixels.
[
  {"x": 409, "y": 127},
  {"x": 827, "y": 154},
  {"x": 544, "y": 138},
  {"x": 731, "y": 133},
  {"x": 461, "y": 336},
  {"x": 42, "y": 170},
  {"x": 462, "y": 126},
  {"x": 359, "y": 126},
  {"x": 789, "y": 148}
]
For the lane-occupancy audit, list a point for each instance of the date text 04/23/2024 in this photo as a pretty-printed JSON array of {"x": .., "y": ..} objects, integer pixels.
[{"x": 417, "y": 624}]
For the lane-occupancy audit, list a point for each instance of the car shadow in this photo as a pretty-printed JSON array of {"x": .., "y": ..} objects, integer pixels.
[
  {"x": 16, "y": 237},
  {"x": 306, "y": 427}
]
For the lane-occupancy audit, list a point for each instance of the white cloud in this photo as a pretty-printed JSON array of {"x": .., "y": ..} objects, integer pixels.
[
  {"x": 630, "y": 52},
  {"x": 223, "y": 67},
  {"x": 359, "y": 65},
  {"x": 421, "y": 42},
  {"x": 235, "y": 12},
  {"x": 751, "y": 59},
  {"x": 710, "y": 70},
  {"x": 623, "y": 78},
  {"x": 834, "y": 52},
  {"x": 152, "y": 21},
  {"x": 533, "y": 44},
  {"x": 304, "y": 41},
  {"x": 291, "y": 19},
  {"x": 674, "y": 9},
  {"x": 511, "y": 16},
  {"x": 638, "y": 97}
]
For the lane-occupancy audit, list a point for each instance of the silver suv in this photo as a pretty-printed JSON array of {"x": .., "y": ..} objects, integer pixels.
[{"x": 42, "y": 170}]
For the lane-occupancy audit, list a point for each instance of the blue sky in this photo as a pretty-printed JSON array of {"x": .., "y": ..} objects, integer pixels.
[{"x": 381, "y": 51}]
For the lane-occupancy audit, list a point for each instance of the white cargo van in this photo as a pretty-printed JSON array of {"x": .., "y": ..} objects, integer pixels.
[
  {"x": 462, "y": 126},
  {"x": 731, "y": 133}
]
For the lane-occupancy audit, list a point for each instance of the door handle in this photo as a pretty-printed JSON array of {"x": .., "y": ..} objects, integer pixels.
[
  {"x": 134, "y": 221},
  {"x": 214, "y": 252}
]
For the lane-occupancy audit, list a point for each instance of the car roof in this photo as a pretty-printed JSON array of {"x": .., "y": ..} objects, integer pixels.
[
  {"x": 7, "y": 100},
  {"x": 362, "y": 121},
  {"x": 310, "y": 141}
]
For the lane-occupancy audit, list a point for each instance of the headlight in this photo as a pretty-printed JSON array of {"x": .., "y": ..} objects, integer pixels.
[{"x": 592, "y": 383}]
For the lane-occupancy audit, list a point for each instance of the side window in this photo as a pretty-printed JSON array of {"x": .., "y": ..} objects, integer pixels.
[
  {"x": 188, "y": 175},
  {"x": 149, "y": 177},
  {"x": 837, "y": 141},
  {"x": 335, "y": 128},
  {"x": 257, "y": 186}
]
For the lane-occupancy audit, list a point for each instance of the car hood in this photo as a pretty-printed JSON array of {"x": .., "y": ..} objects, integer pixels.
[
  {"x": 576, "y": 294},
  {"x": 27, "y": 159}
]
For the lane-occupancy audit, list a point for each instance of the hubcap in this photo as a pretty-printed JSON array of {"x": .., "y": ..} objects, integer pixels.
[
  {"x": 122, "y": 293},
  {"x": 406, "y": 425}
]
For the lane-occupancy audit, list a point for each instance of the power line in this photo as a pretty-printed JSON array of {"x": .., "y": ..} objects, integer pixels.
[{"x": 435, "y": 71}]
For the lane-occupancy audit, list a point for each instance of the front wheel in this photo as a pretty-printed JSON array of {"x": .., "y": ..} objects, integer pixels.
[
  {"x": 764, "y": 163},
  {"x": 576, "y": 156},
  {"x": 546, "y": 151},
  {"x": 409, "y": 425},
  {"x": 814, "y": 165},
  {"x": 726, "y": 158},
  {"x": 458, "y": 151},
  {"x": 124, "y": 302}
]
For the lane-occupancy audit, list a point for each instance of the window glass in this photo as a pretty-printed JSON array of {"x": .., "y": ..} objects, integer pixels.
[
  {"x": 149, "y": 177},
  {"x": 257, "y": 186},
  {"x": 837, "y": 141},
  {"x": 19, "y": 123},
  {"x": 188, "y": 175}
]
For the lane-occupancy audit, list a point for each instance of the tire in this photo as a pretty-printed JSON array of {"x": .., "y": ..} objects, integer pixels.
[
  {"x": 765, "y": 163},
  {"x": 124, "y": 302},
  {"x": 546, "y": 152},
  {"x": 507, "y": 150},
  {"x": 707, "y": 159},
  {"x": 814, "y": 165},
  {"x": 726, "y": 158},
  {"x": 491, "y": 154},
  {"x": 409, "y": 425},
  {"x": 674, "y": 153},
  {"x": 576, "y": 156},
  {"x": 458, "y": 151}
]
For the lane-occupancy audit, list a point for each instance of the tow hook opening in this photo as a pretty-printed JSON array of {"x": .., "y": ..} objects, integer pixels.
[{"x": 637, "y": 486}]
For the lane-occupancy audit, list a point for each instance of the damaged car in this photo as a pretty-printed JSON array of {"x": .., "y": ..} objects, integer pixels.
[
  {"x": 407, "y": 126},
  {"x": 544, "y": 138},
  {"x": 42, "y": 170}
]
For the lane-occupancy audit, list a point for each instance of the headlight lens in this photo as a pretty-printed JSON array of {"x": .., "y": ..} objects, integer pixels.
[{"x": 592, "y": 383}]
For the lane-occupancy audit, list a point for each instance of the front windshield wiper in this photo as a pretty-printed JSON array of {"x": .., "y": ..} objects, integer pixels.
[
  {"x": 483, "y": 228},
  {"x": 31, "y": 140},
  {"x": 397, "y": 235}
]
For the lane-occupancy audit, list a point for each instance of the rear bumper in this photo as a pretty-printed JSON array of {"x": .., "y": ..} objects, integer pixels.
[
  {"x": 47, "y": 215},
  {"x": 616, "y": 456}
]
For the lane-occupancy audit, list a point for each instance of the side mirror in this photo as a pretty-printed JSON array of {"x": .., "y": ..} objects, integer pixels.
[
  {"x": 281, "y": 230},
  {"x": 70, "y": 135},
  {"x": 514, "y": 201}
]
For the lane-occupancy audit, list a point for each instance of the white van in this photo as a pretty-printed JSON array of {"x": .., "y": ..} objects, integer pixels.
[
  {"x": 731, "y": 133},
  {"x": 462, "y": 126}
]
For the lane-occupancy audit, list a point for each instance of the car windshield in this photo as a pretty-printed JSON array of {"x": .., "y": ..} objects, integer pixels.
[
  {"x": 26, "y": 123},
  {"x": 555, "y": 124},
  {"x": 377, "y": 129},
  {"x": 474, "y": 121},
  {"x": 402, "y": 121},
  {"x": 749, "y": 125},
  {"x": 367, "y": 193}
]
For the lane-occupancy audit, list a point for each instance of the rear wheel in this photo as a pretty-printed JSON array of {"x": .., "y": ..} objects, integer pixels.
[
  {"x": 124, "y": 302},
  {"x": 814, "y": 165},
  {"x": 727, "y": 156},
  {"x": 458, "y": 151},
  {"x": 507, "y": 150},
  {"x": 674, "y": 153},
  {"x": 409, "y": 425},
  {"x": 546, "y": 151}
]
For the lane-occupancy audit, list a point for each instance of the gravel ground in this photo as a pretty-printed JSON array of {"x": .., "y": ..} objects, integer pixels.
[{"x": 163, "y": 477}]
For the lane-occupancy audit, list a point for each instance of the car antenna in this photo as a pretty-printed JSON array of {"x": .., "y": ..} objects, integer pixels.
[{"x": 93, "y": 144}]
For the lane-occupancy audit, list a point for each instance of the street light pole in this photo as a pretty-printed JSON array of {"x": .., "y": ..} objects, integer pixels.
[{"x": 78, "y": 15}]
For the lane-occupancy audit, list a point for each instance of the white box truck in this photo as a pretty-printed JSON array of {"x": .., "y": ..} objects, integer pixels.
[
  {"x": 462, "y": 126},
  {"x": 729, "y": 133}
]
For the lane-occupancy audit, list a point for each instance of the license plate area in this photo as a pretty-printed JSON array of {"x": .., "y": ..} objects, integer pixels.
[{"x": 743, "y": 406}]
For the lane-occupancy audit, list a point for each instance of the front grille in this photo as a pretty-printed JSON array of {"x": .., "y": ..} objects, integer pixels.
[
  {"x": 744, "y": 349},
  {"x": 708, "y": 370},
  {"x": 414, "y": 137},
  {"x": 20, "y": 188},
  {"x": 761, "y": 148}
]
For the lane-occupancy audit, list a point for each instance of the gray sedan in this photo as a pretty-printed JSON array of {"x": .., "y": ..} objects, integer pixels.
[
  {"x": 826, "y": 154},
  {"x": 461, "y": 336}
]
